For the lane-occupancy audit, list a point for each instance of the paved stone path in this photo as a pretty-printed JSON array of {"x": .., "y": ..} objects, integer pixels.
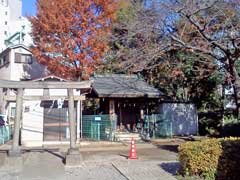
[
  {"x": 122, "y": 170},
  {"x": 141, "y": 170},
  {"x": 94, "y": 172},
  {"x": 96, "y": 166},
  {"x": 44, "y": 167}
]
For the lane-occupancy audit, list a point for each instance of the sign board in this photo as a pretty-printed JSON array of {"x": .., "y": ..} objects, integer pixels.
[{"x": 97, "y": 118}]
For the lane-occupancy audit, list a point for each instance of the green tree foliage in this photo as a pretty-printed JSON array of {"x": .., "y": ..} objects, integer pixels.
[
  {"x": 180, "y": 74},
  {"x": 143, "y": 41},
  {"x": 210, "y": 28},
  {"x": 187, "y": 48}
]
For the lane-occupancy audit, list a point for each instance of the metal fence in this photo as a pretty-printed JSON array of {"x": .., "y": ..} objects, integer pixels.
[
  {"x": 99, "y": 127},
  {"x": 157, "y": 125},
  {"x": 5, "y": 133}
]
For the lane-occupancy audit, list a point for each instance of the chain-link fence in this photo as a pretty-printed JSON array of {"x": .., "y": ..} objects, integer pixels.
[
  {"x": 99, "y": 127},
  {"x": 157, "y": 125}
]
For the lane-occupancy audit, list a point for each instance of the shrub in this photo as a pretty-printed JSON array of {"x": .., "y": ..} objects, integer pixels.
[
  {"x": 200, "y": 158},
  {"x": 209, "y": 123},
  {"x": 211, "y": 158},
  {"x": 229, "y": 161},
  {"x": 231, "y": 126},
  {"x": 231, "y": 130}
]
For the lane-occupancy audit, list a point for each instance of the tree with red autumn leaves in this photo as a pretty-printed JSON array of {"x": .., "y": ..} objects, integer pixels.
[{"x": 71, "y": 36}]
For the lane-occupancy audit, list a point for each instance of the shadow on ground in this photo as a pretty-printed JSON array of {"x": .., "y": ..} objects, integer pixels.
[
  {"x": 54, "y": 152},
  {"x": 170, "y": 167},
  {"x": 172, "y": 148}
]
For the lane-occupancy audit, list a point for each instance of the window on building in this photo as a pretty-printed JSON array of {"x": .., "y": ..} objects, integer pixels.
[
  {"x": 13, "y": 111},
  {"x": 5, "y": 59},
  {"x": 6, "y": 13},
  {"x": 5, "y": 32},
  {"x": 4, "y": 2},
  {"x": 5, "y": 22},
  {"x": 23, "y": 58}
]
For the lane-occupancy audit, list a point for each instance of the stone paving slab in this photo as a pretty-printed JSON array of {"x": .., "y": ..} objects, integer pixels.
[
  {"x": 97, "y": 172},
  {"x": 124, "y": 170},
  {"x": 150, "y": 170},
  {"x": 119, "y": 170},
  {"x": 96, "y": 166}
]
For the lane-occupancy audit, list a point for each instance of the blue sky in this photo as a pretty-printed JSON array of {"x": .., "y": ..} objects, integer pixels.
[{"x": 29, "y": 7}]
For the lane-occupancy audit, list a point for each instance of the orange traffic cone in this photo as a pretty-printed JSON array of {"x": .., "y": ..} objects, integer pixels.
[{"x": 133, "y": 152}]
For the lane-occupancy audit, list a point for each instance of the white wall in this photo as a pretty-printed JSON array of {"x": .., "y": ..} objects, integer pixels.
[
  {"x": 4, "y": 14},
  {"x": 12, "y": 70},
  {"x": 21, "y": 25},
  {"x": 62, "y": 92},
  {"x": 15, "y": 7},
  {"x": 17, "y": 69},
  {"x": 11, "y": 13},
  {"x": 5, "y": 72},
  {"x": 32, "y": 124}
]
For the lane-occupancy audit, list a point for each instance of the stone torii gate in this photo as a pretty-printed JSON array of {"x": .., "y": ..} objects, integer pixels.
[{"x": 73, "y": 156}]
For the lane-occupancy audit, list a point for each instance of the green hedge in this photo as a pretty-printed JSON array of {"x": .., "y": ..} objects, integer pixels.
[{"x": 211, "y": 158}]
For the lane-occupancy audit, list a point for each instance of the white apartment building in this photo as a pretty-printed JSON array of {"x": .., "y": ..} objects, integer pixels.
[
  {"x": 15, "y": 36},
  {"x": 16, "y": 61},
  {"x": 14, "y": 28}
]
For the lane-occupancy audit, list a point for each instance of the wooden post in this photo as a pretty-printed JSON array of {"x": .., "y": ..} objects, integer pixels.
[
  {"x": 15, "y": 150},
  {"x": 120, "y": 117},
  {"x": 78, "y": 120},
  {"x": 72, "y": 121},
  {"x": 142, "y": 114},
  {"x": 112, "y": 109},
  {"x": 81, "y": 119}
]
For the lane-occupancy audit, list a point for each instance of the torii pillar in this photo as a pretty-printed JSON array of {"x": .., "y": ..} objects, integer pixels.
[
  {"x": 73, "y": 157},
  {"x": 15, "y": 151}
]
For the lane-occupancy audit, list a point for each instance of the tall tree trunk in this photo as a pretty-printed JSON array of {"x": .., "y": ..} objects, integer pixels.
[
  {"x": 236, "y": 86},
  {"x": 237, "y": 95}
]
